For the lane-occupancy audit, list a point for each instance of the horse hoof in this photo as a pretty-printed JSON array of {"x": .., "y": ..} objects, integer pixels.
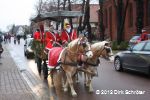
[
  {"x": 65, "y": 89},
  {"x": 91, "y": 91},
  {"x": 52, "y": 85},
  {"x": 85, "y": 85},
  {"x": 74, "y": 95}
]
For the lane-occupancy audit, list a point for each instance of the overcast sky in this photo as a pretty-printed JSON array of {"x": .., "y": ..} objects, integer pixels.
[{"x": 16, "y": 12}]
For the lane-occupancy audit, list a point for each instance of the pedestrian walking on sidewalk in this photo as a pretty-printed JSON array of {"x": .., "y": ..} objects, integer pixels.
[{"x": 1, "y": 48}]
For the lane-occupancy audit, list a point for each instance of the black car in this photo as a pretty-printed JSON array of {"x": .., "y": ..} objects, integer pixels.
[
  {"x": 135, "y": 58},
  {"x": 28, "y": 52}
]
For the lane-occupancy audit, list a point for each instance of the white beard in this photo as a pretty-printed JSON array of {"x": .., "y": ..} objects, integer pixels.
[{"x": 68, "y": 30}]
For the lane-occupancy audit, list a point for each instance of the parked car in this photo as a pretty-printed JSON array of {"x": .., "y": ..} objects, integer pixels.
[
  {"x": 134, "y": 40},
  {"x": 29, "y": 36},
  {"x": 148, "y": 36},
  {"x": 28, "y": 52},
  {"x": 136, "y": 58}
]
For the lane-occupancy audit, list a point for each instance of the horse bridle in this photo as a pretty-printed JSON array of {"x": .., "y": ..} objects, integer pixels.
[
  {"x": 97, "y": 62},
  {"x": 76, "y": 53},
  {"x": 83, "y": 43}
]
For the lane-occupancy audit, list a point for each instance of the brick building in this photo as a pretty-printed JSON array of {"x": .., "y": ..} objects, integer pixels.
[{"x": 110, "y": 20}]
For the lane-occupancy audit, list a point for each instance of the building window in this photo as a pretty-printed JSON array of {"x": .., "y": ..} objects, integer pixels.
[{"x": 130, "y": 15}]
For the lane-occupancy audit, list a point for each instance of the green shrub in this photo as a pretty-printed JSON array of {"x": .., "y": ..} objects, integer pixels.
[
  {"x": 114, "y": 45},
  {"x": 123, "y": 45}
]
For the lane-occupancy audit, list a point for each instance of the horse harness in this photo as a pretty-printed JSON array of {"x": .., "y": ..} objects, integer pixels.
[
  {"x": 92, "y": 64},
  {"x": 97, "y": 60},
  {"x": 74, "y": 63}
]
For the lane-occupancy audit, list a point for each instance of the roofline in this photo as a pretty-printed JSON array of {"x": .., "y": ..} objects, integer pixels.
[{"x": 57, "y": 15}]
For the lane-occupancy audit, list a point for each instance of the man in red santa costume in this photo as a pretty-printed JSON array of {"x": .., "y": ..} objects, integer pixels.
[
  {"x": 68, "y": 34},
  {"x": 36, "y": 35},
  {"x": 50, "y": 38}
]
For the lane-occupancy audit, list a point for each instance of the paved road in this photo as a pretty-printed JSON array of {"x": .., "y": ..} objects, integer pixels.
[{"x": 109, "y": 85}]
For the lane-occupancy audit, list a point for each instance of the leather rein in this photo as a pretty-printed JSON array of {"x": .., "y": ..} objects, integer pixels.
[{"x": 73, "y": 54}]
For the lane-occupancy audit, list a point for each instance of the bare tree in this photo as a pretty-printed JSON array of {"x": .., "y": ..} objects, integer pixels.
[
  {"x": 55, "y": 5},
  {"x": 121, "y": 14},
  {"x": 101, "y": 24},
  {"x": 38, "y": 6},
  {"x": 86, "y": 23},
  {"x": 80, "y": 19},
  {"x": 13, "y": 29},
  {"x": 140, "y": 15}
]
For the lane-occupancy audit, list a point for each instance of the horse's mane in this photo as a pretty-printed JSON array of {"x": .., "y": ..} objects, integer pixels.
[
  {"x": 73, "y": 43},
  {"x": 98, "y": 45}
]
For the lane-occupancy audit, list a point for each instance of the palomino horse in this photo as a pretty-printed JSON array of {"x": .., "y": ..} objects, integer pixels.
[
  {"x": 99, "y": 49},
  {"x": 69, "y": 59}
]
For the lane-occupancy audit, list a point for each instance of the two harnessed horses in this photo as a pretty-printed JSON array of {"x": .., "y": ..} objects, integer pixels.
[
  {"x": 71, "y": 56},
  {"x": 69, "y": 60}
]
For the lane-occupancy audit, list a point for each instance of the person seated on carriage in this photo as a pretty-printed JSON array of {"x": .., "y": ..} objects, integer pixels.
[
  {"x": 58, "y": 38},
  {"x": 68, "y": 34},
  {"x": 50, "y": 38},
  {"x": 36, "y": 35}
]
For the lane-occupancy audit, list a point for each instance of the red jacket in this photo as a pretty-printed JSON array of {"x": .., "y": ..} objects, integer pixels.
[
  {"x": 37, "y": 35},
  {"x": 67, "y": 37},
  {"x": 49, "y": 38},
  {"x": 144, "y": 36},
  {"x": 58, "y": 38}
]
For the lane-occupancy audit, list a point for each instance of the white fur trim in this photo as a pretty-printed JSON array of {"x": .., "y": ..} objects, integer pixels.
[
  {"x": 68, "y": 35},
  {"x": 60, "y": 55},
  {"x": 51, "y": 67},
  {"x": 72, "y": 33}
]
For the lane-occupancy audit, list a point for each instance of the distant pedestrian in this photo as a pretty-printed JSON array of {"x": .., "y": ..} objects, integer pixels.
[
  {"x": 15, "y": 39},
  {"x": 24, "y": 36},
  {"x": 9, "y": 37},
  {"x": 1, "y": 39},
  {"x": 18, "y": 38},
  {"x": 5, "y": 38},
  {"x": 1, "y": 49}
]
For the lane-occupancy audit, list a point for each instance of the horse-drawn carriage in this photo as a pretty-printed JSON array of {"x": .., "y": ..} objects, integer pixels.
[
  {"x": 78, "y": 50},
  {"x": 39, "y": 48}
]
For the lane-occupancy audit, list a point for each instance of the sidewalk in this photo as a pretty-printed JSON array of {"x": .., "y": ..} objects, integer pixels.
[{"x": 12, "y": 84}]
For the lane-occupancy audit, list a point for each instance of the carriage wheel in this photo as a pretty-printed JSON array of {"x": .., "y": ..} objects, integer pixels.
[{"x": 45, "y": 70}]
